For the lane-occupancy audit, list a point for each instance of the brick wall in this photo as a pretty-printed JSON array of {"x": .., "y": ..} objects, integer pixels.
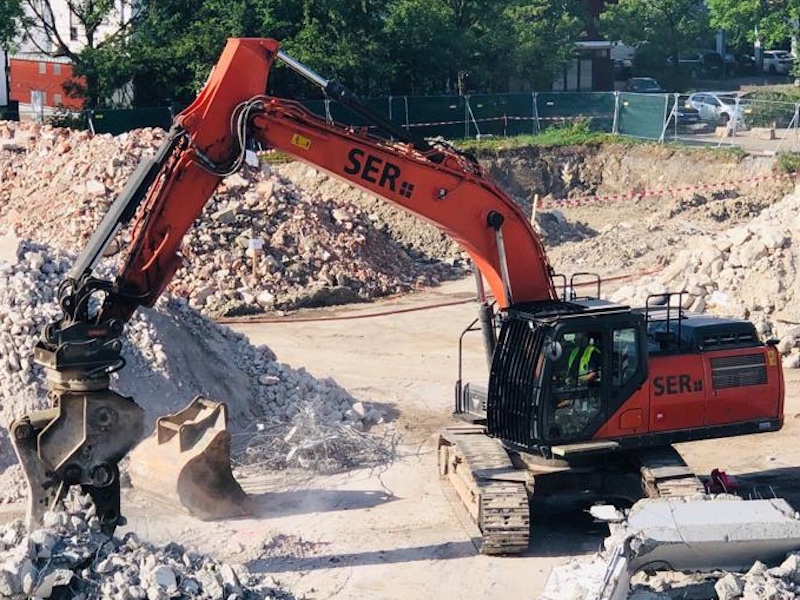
[{"x": 28, "y": 75}]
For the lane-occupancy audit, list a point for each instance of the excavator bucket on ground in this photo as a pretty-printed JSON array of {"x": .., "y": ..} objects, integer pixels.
[{"x": 186, "y": 463}]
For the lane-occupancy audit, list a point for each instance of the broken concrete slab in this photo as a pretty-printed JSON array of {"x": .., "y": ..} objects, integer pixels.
[
  {"x": 725, "y": 533},
  {"x": 703, "y": 534}
]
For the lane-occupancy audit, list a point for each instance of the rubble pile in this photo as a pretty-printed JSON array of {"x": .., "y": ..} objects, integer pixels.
[
  {"x": 705, "y": 547},
  {"x": 760, "y": 582},
  {"x": 69, "y": 557},
  {"x": 173, "y": 353},
  {"x": 260, "y": 243},
  {"x": 749, "y": 271},
  {"x": 581, "y": 578}
]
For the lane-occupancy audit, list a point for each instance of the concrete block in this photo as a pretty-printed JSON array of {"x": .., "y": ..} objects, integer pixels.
[
  {"x": 723, "y": 131},
  {"x": 711, "y": 534}
]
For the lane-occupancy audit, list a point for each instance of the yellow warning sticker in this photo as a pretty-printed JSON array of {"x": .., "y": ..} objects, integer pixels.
[{"x": 301, "y": 141}]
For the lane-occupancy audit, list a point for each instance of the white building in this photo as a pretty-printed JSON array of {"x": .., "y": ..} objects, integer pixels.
[{"x": 67, "y": 26}]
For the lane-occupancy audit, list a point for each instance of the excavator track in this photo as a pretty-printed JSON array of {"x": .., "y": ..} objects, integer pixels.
[
  {"x": 666, "y": 475},
  {"x": 489, "y": 486}
]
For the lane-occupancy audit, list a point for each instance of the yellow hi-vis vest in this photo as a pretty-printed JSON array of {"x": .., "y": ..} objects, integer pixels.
[{"x": 583, "y": 363}]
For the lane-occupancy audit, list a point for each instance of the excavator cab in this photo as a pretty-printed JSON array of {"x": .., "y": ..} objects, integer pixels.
[{"x": 556, "y": 379}]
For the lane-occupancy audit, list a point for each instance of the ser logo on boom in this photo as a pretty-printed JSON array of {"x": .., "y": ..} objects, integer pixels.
[{"x": 375, "y": 170}]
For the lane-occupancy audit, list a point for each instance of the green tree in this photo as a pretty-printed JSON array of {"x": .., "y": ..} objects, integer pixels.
[
  {"x": 341, "y": 39},
  {"x": 423, "y": 46},
  {"x": 776, "y": 20},
  {"x": 10, "y": 15},
  {"x": 175, "y": 44},
  {"x": 544, "y": 36},
  {"x": 737, "y": 18},
  {"x": 373, "y": 47},
  {"x": 658, "y": 28},
  {"x": 462, "y": 45}
]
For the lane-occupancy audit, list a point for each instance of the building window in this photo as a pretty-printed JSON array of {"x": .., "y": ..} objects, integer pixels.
[
  {"x": 585, "y": 79},
  {"x": 56, "y": 68},
  {"x": 38, "y": 99},
  {"x": 57, "y": 99},
  {"x": 73, "y": 29},
  {"x": 43, "y": 68}
]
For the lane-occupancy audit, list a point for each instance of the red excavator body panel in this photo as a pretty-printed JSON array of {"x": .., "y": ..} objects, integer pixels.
[{"x": 701, "y": 392}]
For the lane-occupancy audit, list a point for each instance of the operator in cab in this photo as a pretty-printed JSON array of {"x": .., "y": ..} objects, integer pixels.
[{"x": 584, "y": 362}]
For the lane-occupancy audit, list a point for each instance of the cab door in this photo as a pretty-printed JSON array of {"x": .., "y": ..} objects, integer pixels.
[{"x": 577, "y": 410}]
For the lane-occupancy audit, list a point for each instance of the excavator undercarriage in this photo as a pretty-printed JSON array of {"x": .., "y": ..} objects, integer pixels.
[{"x": 497, "y": 485}]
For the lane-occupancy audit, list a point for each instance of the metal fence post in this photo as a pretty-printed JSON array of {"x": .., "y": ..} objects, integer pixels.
[
  {"x": 405, "y": 103},
  {"x": 615, "y": 121},
  {"x": 536, "y": 125},
  {"x": 466, "y": 116}
]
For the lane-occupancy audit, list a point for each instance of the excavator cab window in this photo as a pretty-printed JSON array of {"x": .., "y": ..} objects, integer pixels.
[
  {"x": 559, "y": 382},
  {"x": 576, "y": 382},
  {"x": 597, "y": 369}
]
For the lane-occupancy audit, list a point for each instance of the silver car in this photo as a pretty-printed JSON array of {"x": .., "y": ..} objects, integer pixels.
[
  {"x": 719, "y": 107},
  {"x": 777, "y": 62}
]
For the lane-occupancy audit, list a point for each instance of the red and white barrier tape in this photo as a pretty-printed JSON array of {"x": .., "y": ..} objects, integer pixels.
[{"x": 584, "y": 200}]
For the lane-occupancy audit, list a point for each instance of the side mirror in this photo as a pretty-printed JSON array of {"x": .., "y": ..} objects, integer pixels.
[{"x": 553, "y": 350}]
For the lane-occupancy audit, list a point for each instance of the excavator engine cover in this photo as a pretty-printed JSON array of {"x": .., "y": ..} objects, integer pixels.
[{"x": 186, "y": 463}]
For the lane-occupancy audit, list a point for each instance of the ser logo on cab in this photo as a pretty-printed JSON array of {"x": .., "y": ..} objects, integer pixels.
[{"x": 676, "y": 384}]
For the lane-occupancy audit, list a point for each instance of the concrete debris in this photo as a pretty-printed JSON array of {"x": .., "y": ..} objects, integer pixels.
[
  {"x": 710, "y": 547},
  {"x": 749, "y": 271},
  {"x": 260, "y": 244},
  {"x": 715, "y": 532},
  {"x": 74, "y": 559},
  {"x": 174, "y": 353}
]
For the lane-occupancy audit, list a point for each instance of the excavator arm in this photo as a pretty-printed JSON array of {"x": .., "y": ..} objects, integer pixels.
[{"x": 89, "y": 429}]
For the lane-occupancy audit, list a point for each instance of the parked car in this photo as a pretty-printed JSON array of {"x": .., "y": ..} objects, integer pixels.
[
  {"x": 739, "y": 64},
  {"x": 777, "y": 62},
  {"x": 643, "y": 85},
  {"x": 720, "y": 107},
  {"x": 699, "y": 63},
  {"x": 745, "y": 64},
  {"x": 685, "y": 114}
]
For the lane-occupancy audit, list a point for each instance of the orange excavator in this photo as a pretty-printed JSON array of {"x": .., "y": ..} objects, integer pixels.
[{"x": 583, "y": 394}]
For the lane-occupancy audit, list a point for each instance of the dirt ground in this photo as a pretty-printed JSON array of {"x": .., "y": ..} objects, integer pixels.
[{"x": 393, "y": 533}]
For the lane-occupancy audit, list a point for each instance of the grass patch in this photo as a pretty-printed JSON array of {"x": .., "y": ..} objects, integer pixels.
[
  {"x": 787, "y": 162},
  {"x": 576, "y": 132},
  {"x": 275, "y": 157}
]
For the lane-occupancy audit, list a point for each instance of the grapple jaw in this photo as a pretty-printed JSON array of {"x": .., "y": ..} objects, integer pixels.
[
  {"x": 186, "y": 463},
  {"x": 78, "y": 441}
]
